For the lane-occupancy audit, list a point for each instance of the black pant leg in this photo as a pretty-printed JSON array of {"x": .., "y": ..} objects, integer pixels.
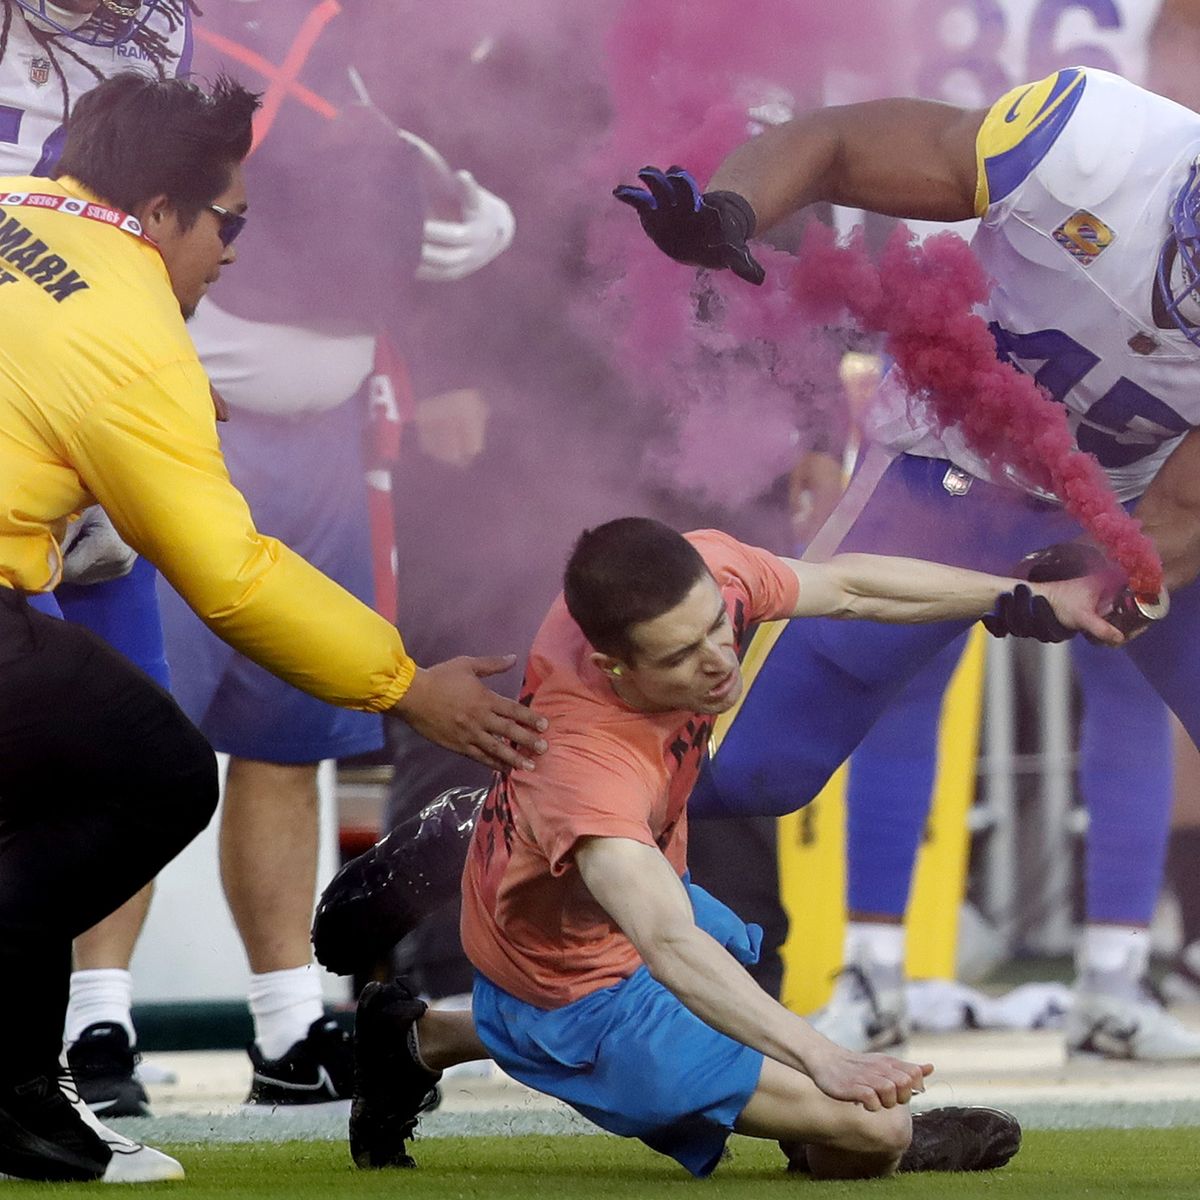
[
  {"x": 736, "y": 860},
  {"x": 103, "y": 781}
]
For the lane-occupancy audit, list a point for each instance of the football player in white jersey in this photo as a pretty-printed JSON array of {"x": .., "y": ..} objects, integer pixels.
[
  {"x": 1078, "y": 141},
  {"x": 962, "y": 51}
]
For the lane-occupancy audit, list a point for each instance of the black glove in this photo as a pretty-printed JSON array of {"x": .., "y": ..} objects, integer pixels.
[
  {"x": 705, "y": 229},
  {"x": 1020, "y": 613},
  {"x": 1130, "y": 613}
]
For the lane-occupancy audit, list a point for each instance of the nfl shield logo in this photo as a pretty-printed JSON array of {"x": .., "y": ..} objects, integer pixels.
[{"x": 39, "y": 71}]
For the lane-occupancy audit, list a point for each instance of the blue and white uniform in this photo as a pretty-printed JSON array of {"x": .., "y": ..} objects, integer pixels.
[
  {"x": 971, "y": 50},
  {"x": 1073, "y": 305}
]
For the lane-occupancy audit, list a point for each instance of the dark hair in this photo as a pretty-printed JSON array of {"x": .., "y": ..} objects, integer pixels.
[
  {"x": 625, "y": 572},
  {"x": 132, "y": 138}
]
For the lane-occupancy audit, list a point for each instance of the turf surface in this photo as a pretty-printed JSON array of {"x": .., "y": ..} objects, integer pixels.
[{"x": 1159, "y": 1163}]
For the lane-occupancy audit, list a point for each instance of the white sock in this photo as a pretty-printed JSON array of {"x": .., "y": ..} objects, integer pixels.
[
  {"x": 873, "y": 942},
  {"x": 105, "y": 994},
  {"x": 284, "y": 1004},
  {"x": 1108, "y": 948}
]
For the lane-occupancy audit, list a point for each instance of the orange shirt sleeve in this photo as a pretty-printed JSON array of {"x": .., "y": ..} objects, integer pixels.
[{"x": 771, "y": 587}]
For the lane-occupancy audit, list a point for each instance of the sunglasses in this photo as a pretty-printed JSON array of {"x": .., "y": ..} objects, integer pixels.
[{"x": 231, "y": 223}]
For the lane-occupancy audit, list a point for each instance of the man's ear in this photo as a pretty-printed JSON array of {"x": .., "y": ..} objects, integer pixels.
[
  {"x": 156, "y": 215},
  {"x": 607, "y": 664}
]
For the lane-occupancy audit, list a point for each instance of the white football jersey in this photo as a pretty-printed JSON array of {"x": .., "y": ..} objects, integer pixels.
[
  {"x": 31, "y": 98},
  {"x": 1078, "y": 173}
]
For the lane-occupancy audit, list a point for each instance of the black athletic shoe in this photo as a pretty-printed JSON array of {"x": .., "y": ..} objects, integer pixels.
[
  {"x": 316, "y": 1070},
  {"x": 42, "y": 1137},
  {"x": 391, "y": 1087},
  {"x": 946, "y": 1139},
  {"x": 103, "y": 1062},
  {"x": 961, "y": 1139}
]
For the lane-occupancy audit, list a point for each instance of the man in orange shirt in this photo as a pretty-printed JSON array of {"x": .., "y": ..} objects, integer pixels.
[{"x": 603, "y": 976}]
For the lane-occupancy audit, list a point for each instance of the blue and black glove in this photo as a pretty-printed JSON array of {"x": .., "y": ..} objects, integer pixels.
[
  {"x": 704, "y": 229},
  {"x": 1020, "y": 613}
]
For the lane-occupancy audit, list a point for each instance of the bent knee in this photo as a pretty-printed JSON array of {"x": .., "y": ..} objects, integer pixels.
[{"x": 195, "y": 785}]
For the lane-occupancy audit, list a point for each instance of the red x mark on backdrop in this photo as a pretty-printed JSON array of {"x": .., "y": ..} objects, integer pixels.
[{"x": 283, "y": 79}]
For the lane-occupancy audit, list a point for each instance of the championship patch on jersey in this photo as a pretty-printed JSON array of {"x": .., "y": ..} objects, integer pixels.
[{"x": 1084, "y": 236}]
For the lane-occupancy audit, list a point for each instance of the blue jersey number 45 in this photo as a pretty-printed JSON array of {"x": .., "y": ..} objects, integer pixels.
[{"x": 1124, "y": 425}]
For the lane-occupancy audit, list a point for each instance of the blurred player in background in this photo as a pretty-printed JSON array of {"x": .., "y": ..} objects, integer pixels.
[{"x": 302, "y": 349}]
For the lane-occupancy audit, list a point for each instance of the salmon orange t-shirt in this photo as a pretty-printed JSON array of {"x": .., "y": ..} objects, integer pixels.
[{"x": 528, "y": 921}]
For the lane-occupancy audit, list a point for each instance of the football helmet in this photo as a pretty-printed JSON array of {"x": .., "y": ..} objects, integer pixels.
[{"x": 1179, "y": 260}]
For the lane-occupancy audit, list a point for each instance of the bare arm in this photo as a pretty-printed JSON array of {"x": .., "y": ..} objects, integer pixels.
[
  {"x": 636, "y": 886},
  {"x": 903, "y": 158},
  {"x": 875, "y": 587},
  {"x": 1170, "y": 512}
]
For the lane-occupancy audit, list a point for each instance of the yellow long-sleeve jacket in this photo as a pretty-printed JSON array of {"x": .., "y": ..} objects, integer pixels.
[{"x": 102, "y": 399}]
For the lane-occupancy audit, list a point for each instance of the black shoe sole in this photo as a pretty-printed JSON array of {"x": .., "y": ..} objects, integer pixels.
[{"x": 377, "y": 1138}]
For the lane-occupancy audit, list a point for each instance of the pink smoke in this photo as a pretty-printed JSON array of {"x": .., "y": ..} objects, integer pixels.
[
  {"x": 681, "y": 82},
  {"x": 921, "y": 298}
]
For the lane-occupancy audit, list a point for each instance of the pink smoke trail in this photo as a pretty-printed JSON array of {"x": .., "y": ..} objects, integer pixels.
[{"x": 921, "y": 297}]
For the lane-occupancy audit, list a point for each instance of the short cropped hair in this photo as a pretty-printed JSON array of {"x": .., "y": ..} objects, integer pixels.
[
  {"x": 625, "y": 572},
  {"x": 132, "y": 138}
]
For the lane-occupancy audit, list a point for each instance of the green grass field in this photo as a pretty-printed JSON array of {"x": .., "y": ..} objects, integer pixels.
[{"x": 1159, "y": 1163}]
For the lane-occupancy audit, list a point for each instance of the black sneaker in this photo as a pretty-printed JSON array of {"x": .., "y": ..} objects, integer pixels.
[
  {"x": 945, "y": 1139},
  {"x": 42, "y": 1137},
  {"x": 103, "y": 1062},
  {"x": 316, "y": 1070},
  {"x": 391, "y": 1087},
  {"x": 961, "y": 1139}
]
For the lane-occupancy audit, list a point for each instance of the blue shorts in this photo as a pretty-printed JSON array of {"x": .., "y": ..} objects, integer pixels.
[
  {"x": 631, "y": 1057},
  {"x": 121, "y": 612},
  {"x": 303, "y": 479}
]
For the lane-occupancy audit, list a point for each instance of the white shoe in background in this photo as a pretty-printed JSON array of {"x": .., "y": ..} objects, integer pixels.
[
  {"x": 867, "y": 1010},
  {"x": 1110, "y": 1018},
  {"x": 1181, "y": 985}
]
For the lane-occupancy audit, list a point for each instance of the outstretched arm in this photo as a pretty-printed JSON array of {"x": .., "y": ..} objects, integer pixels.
[
  {"x": 876, "y": 587},
  {"x": 637, "y": 887},
  {"x": 903, "y": 158}
]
